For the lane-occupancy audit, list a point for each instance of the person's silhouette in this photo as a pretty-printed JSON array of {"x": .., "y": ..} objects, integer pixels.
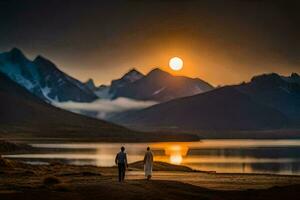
[
  {"x": 121, "y": 161},
  {"x": 148, "y": 163}
]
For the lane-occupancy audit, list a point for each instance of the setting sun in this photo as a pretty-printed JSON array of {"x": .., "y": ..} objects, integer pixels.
[{"x": 176, "y": 63}]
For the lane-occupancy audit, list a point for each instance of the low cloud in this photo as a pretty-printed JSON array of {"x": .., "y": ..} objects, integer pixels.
[{"x": 103, "y": 108}]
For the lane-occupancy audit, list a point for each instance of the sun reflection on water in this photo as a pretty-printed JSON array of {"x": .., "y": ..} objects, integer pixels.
[
  {"x": 174, "y": 152},
  {"x": 176, "y": 159}
]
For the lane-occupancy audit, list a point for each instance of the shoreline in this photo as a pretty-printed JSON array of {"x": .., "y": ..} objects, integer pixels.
[
  {"x": 181, "y": 168},
  {"x": 15, "y": 151}
]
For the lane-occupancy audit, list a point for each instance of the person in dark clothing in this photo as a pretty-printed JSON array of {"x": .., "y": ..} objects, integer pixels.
[{"x": 121, "y": 161}]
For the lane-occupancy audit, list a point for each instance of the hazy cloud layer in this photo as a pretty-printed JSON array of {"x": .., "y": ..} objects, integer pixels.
[{"x": 104, "y": 107}]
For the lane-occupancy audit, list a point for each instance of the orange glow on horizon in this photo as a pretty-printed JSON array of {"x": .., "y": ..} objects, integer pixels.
[{"x": 204, "y": 61}]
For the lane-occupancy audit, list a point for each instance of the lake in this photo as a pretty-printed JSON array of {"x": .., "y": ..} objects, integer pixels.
[{"x": 222, "y": 156}]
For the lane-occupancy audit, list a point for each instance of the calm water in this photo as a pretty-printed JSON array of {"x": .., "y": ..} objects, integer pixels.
[{"x": 228, "y": 156}]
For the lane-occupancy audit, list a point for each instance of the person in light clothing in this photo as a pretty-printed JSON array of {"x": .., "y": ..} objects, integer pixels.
[{"x": 148, "y": 163}]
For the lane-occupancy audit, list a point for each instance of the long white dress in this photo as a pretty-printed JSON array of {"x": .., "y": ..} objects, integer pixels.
[{"x": 148, "y": 163}]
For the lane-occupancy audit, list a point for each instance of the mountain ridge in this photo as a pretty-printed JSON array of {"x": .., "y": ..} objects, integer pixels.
[
  {"x": 24, "y": 115},
  {"x": 43, "y": 78},
  {"x": 156, "y": 85},
  {"x": 266, "y": 102}
]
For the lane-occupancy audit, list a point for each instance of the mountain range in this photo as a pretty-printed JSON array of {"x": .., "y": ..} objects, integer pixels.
[
  {"x": 28, "y": 88},
  {"x": 24, "y": 115},
  {"x": 268, "y": 101},
  {"x": 157, "y": 85},
  {"x": 44, "y": 79}
]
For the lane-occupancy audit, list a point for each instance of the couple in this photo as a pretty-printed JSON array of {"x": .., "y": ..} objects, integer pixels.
[{"x": 121, "y": 161}]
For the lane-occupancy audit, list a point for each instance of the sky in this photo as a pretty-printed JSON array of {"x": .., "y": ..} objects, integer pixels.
[{"x": 220, "y": 41}]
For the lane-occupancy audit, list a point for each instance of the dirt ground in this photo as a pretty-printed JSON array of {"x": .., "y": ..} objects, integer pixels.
[{"x": 57, "y": 181}]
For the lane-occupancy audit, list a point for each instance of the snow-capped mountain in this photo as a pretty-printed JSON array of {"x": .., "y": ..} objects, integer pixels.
[
  {"x": 42, "y": 78},
  {"x": 122, "y": 83},
  {"x": 130, "y": 77},
  {"x": 110, "y": 91},
  {"x": 16, "y": 66},
  {"x": 45, "y": 80},
  {"x": 157, "y": 85}
]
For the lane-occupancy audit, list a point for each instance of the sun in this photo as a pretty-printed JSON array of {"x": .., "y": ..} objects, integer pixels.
[{"x": 176, "y": 63}]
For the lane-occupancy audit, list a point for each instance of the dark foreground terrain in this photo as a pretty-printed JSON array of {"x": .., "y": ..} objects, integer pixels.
[{"x": 58, "y": 181}]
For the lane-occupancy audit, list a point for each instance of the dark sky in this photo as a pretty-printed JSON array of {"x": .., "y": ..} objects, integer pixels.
[{"x": 222, "y": 42}]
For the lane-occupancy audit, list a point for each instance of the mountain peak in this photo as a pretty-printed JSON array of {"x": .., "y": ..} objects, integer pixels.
[
  {"x": 90, "y": 84},
  {"x": 133, "y": 70},
  {"x": 44, "y": 63},
  {"x": 157, "y": 70},
  {"x": 295, "y": 75},
  {"x": 42, "y": 59},
  {"x": 15, "y": 50},
  {"x": 132, "y": 75},
  {"x": 293, "y": 78},
  {"x": 17, "y": 54},
  {"x": 39, "y": 57},
  {"x": 90, "y": 80}
]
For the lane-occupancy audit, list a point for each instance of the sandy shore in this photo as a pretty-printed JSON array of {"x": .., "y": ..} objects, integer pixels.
[{"x": 57, "y": 181}]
